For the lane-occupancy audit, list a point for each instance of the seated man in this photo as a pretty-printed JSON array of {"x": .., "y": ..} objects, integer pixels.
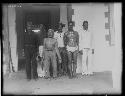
[{"x": 50, "y": 49}]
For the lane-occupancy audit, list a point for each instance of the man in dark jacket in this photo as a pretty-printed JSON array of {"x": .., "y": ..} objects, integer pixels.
[{"x": 30, "y": 43}]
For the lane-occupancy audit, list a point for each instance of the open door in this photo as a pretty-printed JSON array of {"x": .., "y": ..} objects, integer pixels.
[{"x": 49, "y": 16}]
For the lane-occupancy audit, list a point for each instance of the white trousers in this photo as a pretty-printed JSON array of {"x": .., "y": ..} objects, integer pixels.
[{"x": 87, "y": 61}]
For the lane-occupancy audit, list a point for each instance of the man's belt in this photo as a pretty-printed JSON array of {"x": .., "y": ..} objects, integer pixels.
[
  {"x": 86, "y": 48},
  {"x": 61, "y": 47},
  {"x": 48, "y": 50}
]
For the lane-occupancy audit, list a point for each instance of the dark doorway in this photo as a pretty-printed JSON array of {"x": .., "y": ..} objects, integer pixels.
[{"x": 49, "y": 16}]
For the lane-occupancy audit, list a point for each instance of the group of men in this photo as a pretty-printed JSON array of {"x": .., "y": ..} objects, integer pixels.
[{"x": 60, "y": 49}]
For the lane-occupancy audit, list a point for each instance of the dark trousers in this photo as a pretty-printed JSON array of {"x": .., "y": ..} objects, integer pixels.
[
  {"x": 72, "y": 62},
  {"x": 63, "y": 67},
  {"x": 31, "y": 63}
]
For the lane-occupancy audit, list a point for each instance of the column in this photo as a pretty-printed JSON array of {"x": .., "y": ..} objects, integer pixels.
[
  {"x": 13, "y": 36},
  {"x": 117, "y": 67},
  {"x": 5, "y": 32},
  {"x": 63, "y": 16}
]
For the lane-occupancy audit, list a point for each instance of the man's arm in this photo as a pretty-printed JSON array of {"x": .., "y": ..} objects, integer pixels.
[
  {"x": 43, "y": 47},
  {"x": 37, "y": 41},
  {"x": 92, "y": 42},
  {"x": 56, "y": 48},
  {"x": 77, "y": 40},
  {"x": 65, "y": 39},
  {"x": 80, "y": 42}
]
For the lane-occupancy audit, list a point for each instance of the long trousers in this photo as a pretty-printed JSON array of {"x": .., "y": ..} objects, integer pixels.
[
  {"x": 72, "y": 62},
  {"x": 63, "y": 67},
  {"x": 31, "y": 63},
  {"x": 87, "y": 61},
  {"x": 50, "y": 57}
]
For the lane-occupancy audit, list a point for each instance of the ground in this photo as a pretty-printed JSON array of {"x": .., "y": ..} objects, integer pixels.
[{"x": 100, "y": 82}]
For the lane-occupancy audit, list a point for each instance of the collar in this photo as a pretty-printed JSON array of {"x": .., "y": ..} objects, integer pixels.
[{"x": 86, "y": 30}]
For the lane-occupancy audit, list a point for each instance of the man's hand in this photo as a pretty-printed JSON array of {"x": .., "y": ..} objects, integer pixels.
[
  {"x": 43, "y": 57},
  {"x": 60, "y": 60},
  {"x": 92, "y": 51},
  {"x": 81, "y": 52}
]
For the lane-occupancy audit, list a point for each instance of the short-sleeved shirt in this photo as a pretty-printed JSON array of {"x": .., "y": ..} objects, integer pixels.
[{"x": 59, "y": 37}]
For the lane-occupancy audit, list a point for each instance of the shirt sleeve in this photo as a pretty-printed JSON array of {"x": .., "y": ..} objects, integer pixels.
[
  {"x": 77, "y": 38},
  {"x": 92, "y": 40},
  {"x": 80, "y": 41},
  {"x": 56, "y": 48},
  {"x": 65, "y": 39},
  {"x": 55, "y": 35}
]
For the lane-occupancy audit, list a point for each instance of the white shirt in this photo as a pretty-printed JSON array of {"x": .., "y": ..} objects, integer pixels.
[
  {"x": 86, "y": 40},
  {"x": 59, "y": 38},
  {"x": 40, "y": 50}
]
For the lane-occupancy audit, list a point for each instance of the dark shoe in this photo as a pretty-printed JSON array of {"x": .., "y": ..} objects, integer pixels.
[
  {"x": 74, "y": 76},
  {"x": 65, "y": 73},
  {"x": 46, "y": 77},
  {"x": 70, "y": 77},
  {"x": 59, "y": 74},
  {"x": 35, "y": 79},
  {"x": 28, "y": 79},
  {"x": 55, "y": 78}
]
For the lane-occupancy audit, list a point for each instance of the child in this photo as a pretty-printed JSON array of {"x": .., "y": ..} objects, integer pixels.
[{"x": 40, "y": 68}]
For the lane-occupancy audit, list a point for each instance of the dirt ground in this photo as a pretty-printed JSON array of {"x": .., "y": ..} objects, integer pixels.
[{"x": 17, "y": 83}]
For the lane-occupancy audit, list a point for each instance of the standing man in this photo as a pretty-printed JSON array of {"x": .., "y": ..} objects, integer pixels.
[
  {"x": 62, "y": 68},
  {"x": 86, "y": 50},
  {"x": 30, "y": 43},
  {"x": 50, "y": 49},
  {"x": 71, "y": 40}
]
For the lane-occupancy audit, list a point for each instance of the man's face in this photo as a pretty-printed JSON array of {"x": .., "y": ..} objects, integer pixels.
[
  {"x": 50, "y": 33},
  {"x": 85, "y": 26},
  {"x": 70, "y": 26},
  {"x": 60, "y": 27}
]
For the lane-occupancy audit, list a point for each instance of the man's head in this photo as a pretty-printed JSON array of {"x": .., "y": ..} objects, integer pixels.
[
  {"x": 70, "y": 25},
  {"x": 85, "y": 25},
  {"x": 50, "y": 33},
  {"x": 61, "y": 25}
]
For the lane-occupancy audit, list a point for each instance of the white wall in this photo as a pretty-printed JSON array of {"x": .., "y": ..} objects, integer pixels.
[
  {"x": 117, "y": 69},
  {"x": 104, "y": 56}
]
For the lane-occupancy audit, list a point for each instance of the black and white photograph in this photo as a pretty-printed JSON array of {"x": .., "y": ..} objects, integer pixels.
[{"x": 61, "y": 48}]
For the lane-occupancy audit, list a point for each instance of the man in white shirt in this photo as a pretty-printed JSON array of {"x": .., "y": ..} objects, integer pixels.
[
  {"x": 86, "y": 49},
  {"x": 58, "y": 35}
]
